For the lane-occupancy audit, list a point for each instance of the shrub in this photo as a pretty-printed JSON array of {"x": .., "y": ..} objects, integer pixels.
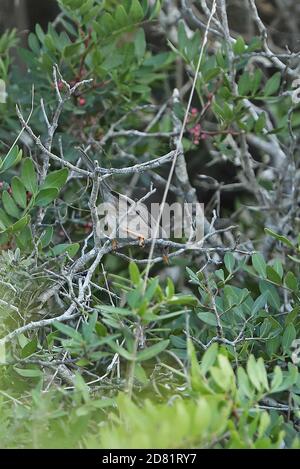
[{"x": 104, "y": 341}]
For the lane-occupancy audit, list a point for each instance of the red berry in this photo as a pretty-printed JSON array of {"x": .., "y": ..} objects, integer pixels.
[
  {"x": 60, "y": 85},
  {"x": 87, "y": 227},
  {"x": 81, "y": 101}
]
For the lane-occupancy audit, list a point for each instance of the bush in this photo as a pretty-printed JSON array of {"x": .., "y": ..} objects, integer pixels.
[{"x": 109, "y": 342}]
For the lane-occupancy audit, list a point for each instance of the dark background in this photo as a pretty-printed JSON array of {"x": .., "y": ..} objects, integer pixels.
[
  {"x": 24, "y": 14},
  {"x": 282, "y": 18}
]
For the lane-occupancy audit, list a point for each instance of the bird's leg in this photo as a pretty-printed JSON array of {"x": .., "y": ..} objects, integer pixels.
[
  {"x": 114, "y": 244},
  {"x": 139, "y": 236}
]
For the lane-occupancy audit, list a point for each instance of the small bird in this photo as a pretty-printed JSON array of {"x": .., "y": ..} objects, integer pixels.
[
  {"x": 128, "y": 219},
  {"x": 125, "y": 218}
]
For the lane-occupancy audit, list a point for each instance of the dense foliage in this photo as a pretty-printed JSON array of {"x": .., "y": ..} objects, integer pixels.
[{"x": 94, "y": 352}]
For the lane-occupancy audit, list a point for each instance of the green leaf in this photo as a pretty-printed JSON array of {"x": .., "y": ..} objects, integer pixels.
[
  {"x": 33, "y": 43},
  {"x": 273, "y": 275},
  {"x": 291, "y": 281},
  {"x": 28, "y": 176},
  {"x": 260, "y": 123},
  {"x": 220, "y": 376},
  {"x": 134, "y": 273},
  {"x": 260, "y": 302},
  {"x": 29, "y": 348},
  {"x": 208, "y": 318},
  {"x": 122, "y": 351},
  {"x": 229, "y": 262},
  {"x": 140, "y": 374},
  {"x": 3, "y": 226},
  {"x": 185, "y": 300},
  {"x": 277, "y": 378},
  {"x": 280, "y": 238},
  {"x": 121, "y": 17},
  {"x": 239, "y": 46},
  {"x": 56, "y": 179},
  {"x": 244, "y": 84},
  {"x": 273, "y": 296},
  {"x": 193, "y": 277},
  {"x": 60, "y": 249},
  {"x": 255, "y": 44},
  {"x": 19, "y": 192},
  {"x": 220, "y": 274},
  {"x": 244, "y": 385},
  {"x": 112, "y": 61},
  {"x": 288, "y": 337},
  {"x": 140, "y": 44},
  {"x": 152, "y": 351},
  {"x": 257, "y": 78},
  {"x": 29, "y": 372},
  {"x": 277, "y": 266},
  {"x": 4, "y": 220},
  {"x": 155, "y": 10},
  {"x": 39, "y": 32},
  {"x": 170, "y": 289},
  {"x": 9, "y": 205},
  {"x": 182, "y": 37},
  {"x": 134, "y": 298},
  {"x": 209, "y": 358},
  {"x": 20, "y": 224},
  {"x": 259, "y": 264},
  {"x": 273, "y": 345},
  {"x": 82, "y": 387},
  {"x": 253, "y": 373},
  {"x": 45, "y": 197},
  {"x": 115, "y": 310},
  {"x": 150, "y": 292},
  {"x": 46, "y": 237},
  {"x": 262, "y": 373},
  {"x": 136, "y": 12},
  {"x": 72, "y": 49},
  {"x": 272, "y": 85},
  {"x": 68, "y": 331},
  {"x": 213, "y": 73},
  {"x": 264, "y": 422},
  {"x": 12, "y": 158}
]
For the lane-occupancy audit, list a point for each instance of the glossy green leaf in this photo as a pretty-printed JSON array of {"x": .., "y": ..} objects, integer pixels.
[
  {"x": 136, "y": 12},
  {"x": 19, "y": 192},
  {"x": 9, "y": 205},
  {"x": 152, "y": 351},
  {"x": 28, "y": 176},
  {"x": 45, "y": 196},
  {"x": 56, "y": 179},
  {"x": 12, "y": 158},
  {"x": 272, "y": 85},
  {"x": 60, "y": 249},
  {"x": 259, "y": 264}
]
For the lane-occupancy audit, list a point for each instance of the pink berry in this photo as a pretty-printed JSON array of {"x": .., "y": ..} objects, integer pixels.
[{"x": 81, "y": 101}]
